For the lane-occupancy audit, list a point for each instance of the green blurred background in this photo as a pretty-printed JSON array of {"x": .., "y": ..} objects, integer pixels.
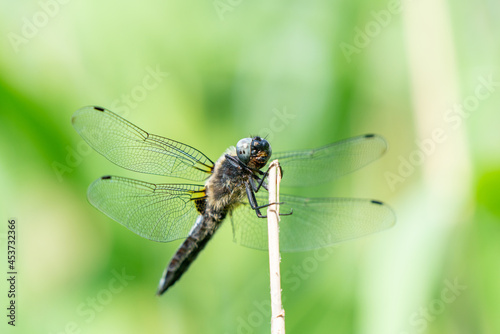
[{"x": 424, "y": 74}]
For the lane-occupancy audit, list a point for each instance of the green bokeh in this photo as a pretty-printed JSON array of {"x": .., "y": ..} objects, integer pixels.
[{"x": 225, "y": 70}]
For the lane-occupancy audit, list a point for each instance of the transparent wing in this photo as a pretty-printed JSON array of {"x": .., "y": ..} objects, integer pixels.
[
  {"x": 312, "y": 167},
  {"x": 159, "y": 212},
  {"x": 132, "y": 148},
  {"x": 315, "y": 222}
]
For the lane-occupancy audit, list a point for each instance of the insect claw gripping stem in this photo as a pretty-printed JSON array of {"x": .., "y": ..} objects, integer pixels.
[{"x": 287, "y": 214}]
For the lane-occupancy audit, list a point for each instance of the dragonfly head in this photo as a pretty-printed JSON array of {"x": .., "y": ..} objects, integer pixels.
[{"x": 254, "y": 152}]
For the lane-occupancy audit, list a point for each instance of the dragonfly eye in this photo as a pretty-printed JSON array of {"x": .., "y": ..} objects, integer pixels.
[
  {"x": 243, "y": 150},
  {"x": 261, "y": 152}
]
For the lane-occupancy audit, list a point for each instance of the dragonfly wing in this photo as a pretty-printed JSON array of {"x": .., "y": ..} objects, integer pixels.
[
  {"x": 313, "y": 167},
  {"x": 315, "y": 222},
  {"x": 130, "y": 147},
  {"x": 159, "y": 212}
]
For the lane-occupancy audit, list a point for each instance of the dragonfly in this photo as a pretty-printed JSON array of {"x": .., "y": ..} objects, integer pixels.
[{"x": 230, "y": 187}]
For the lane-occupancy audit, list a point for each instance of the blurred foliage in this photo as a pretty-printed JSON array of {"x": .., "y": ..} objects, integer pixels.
[{"x": 208, "y": 74}]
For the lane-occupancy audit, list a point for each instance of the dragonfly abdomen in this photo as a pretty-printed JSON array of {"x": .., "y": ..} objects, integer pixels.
[{"x": 200, "y": 234}]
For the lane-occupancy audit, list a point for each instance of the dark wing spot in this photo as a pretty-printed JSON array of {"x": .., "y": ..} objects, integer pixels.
[
  {"x": 377, "y": 202},
  {"x": 200, "y": 205},
  {"x": 99, "y": 108},
  {"x": 200, "y": 200},
  {"x": 370, "y": 135},
  {"x": 107, "y": 177}
]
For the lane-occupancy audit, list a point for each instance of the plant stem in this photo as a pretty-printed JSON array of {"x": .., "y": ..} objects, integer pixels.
[{"x": 277, "y": 311}]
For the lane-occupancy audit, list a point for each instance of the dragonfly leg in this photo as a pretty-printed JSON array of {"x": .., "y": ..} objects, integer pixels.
[
  {"x": 260, "y": 184},
  {"x": 237, "y": 163},
  {"x": 254, "y": 205},
  {"x": 264, "y": 175}
]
